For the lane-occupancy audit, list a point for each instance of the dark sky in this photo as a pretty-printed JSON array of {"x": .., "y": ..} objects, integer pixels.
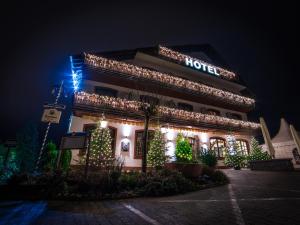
[{"x": 258, "y": 40}]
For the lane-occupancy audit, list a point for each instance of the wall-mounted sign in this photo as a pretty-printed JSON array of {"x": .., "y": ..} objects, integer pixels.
[
  {"x": 125, "y": 146},
  {"x": 201, "y": 66},
  {"x": 51, "y": 115}
]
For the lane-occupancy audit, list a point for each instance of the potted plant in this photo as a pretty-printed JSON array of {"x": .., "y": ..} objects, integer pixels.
[{"x": 184, "y": 159}]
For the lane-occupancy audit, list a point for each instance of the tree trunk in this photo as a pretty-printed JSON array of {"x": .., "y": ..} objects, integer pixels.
[{"x": 144, "y": 150}]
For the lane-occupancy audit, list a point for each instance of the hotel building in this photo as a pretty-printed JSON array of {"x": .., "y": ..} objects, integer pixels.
[{"x": 195, "y": 96}]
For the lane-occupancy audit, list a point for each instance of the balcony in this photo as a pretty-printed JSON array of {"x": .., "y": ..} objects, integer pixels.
[
  {"x": 93, "y": 103},
  {"x": 165, "y": 84}
]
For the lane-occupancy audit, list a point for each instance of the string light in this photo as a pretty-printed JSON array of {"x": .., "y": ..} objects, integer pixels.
[
  {"x": 179, "y": 57},
  {"x": 167, "y": 79},
  {"x": 134, "y": 106}
]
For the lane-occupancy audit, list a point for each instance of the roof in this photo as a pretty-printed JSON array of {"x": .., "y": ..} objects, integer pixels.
[{"x": 284, "y": 133}]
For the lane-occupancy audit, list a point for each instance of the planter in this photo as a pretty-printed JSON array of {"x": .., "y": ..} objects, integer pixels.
[
  {"x": 187, "y": 169},
  {"x": 272, "y": 165}
]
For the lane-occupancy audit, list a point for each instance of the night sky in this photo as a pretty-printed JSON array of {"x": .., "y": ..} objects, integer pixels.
[{"x": 258, "y": 40}]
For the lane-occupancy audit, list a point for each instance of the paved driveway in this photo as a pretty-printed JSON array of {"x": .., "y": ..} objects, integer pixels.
[{"x": 252, "y": 198}]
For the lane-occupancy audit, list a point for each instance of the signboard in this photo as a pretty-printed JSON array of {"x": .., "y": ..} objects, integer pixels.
[
  {"x": 198, "y": 65},
  {"x": 74, "y": 140},
  {"x": 51, "y": 115}
]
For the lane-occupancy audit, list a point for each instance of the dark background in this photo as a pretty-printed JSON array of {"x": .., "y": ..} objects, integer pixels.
[{"x": 258, "y": 40}]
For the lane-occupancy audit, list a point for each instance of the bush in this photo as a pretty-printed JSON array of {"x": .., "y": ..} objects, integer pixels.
[
  {"x": 208, "y": 158},
  {"x": 153, "y": 189},
  {"x": 208, "y": 171},
  {"x": 50, "y": 157},
  {"x": 65, "y": 161}
]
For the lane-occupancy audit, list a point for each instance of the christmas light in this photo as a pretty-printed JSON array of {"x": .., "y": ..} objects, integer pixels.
[
  {"x": 181, "y": 58},
  {"x": 103, "y": 122},
  {"x": 76, "y": 71},
  {"x": 126, "y": 130},
  {"x": 167, "y": 79},
  {"x": 134, "y": 106},
  {"x": 204, "y": 137}
]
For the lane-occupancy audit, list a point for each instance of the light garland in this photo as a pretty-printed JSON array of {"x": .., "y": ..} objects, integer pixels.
[
  {"x": 179, "y": 57},
  {"x": 134, "y": 106},
  {"x": 122, "y": 67}
]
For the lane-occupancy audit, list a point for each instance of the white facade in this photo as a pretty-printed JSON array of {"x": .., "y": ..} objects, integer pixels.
[
  {"x": 222, "y": 107},
  {"x": 125, "y": 131}
]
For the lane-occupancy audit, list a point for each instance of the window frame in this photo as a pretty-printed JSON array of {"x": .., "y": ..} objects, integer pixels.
[
  {"x": 135, "y": 155},
  {"x": 210, "y": 146},
  {"x": 247, "y": 145}
]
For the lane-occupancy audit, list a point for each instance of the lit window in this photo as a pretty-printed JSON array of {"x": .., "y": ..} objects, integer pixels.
[
  {"x": 242, "y": 146},
  {"x": 218, "y": 145}
]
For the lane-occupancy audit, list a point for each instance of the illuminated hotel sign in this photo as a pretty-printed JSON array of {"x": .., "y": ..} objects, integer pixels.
[{"x": 201, "y": 66}]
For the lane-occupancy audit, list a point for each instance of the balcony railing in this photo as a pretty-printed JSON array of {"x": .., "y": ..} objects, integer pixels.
[{"x": 134, "y": 107}]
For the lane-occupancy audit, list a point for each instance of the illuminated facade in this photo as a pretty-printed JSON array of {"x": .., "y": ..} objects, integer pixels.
[{"x": 193, "y": 96}]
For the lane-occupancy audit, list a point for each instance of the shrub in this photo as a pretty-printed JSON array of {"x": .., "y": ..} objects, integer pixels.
[
  {"x": 66, "y": 157},
  {"x": 183, "y": 150},
  {"x": 50, "y": 157},
  {"x": 208, "y": 171},
  {"x": 208, "y": 158}
]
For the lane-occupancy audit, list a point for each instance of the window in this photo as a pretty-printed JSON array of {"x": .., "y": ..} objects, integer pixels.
[
  {"x": 192, "y": 141},
  {"x": 243, "y": 146},
  {"x": 113, "y": 134},
  {"x": 139, "y": 142},
  {"x": 234, "y": 116},
  {"x": 217, "y": 145},
  {"x": 149, "y": 99},
  {"x": 213, "y": 112},
  {"x": 106, "y": 91},
  {"x": 185, "y": 106}
]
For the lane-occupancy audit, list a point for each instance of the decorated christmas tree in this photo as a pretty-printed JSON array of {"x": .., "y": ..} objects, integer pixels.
[
  {"x": 256, "y": 152},
  {"x": 183, "y": 150},
  {"x": 100, "y": 149},
  {"x": 233, "y": 156},
  {"x": 156, "y": 156}
]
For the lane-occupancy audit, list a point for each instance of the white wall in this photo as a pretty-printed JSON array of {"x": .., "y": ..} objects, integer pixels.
[{"x": 78, "y": 123}]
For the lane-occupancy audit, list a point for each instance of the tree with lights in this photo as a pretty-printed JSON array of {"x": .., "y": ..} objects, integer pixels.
[
  {"x": 256, "y": 152},
  {"x": 183, "y": 151},
  {"x": 233, "y": 156},
  {"x": 156, "y": 155},
  {"x": 100, "y": 150},
  {"x": 149, "y": 109}
]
